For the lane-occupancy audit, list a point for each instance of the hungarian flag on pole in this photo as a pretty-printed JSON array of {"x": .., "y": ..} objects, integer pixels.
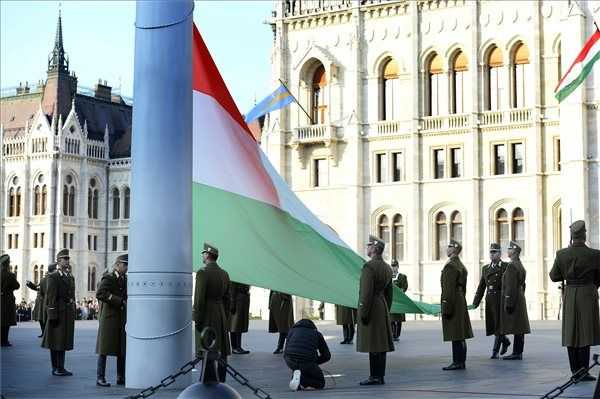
[
  {"x": 580, "y": 68},
  {"x": 265, "y": 235}
]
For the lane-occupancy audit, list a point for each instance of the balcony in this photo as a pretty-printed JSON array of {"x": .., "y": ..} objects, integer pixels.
[
  {"x": 391, "y": 128},
  {"x": 315, "y": 134},
  {"x": 445, "y": 123},
  {"x": 507, "y": 118}
]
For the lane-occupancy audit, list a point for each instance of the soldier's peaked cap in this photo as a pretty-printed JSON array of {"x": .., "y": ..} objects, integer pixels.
[
  {"x": 577, "y": 229},
  {"x": 514, "y": 245},
  {"x": 376, "y": 241},
  {"x": 494, "y": 247},
  {"x": 454, "y": 244},
  {"x": 4, "y": 259},
  {"x": 211, "y": 249},
  {"x": 123, "y": 258},
  {"x": 63, "y": 253}
]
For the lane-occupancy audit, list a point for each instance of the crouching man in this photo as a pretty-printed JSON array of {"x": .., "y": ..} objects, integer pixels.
[{"x": 305, "y": 350}]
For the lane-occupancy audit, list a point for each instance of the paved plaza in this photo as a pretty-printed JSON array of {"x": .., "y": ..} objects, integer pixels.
[{"x": 414, "y": 369}]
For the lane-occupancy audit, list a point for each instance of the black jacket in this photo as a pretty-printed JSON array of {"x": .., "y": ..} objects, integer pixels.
[{"x": 305, "y": 344}]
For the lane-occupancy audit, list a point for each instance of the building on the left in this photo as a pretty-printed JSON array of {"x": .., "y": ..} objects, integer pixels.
[{"x": 64, "y": 175}]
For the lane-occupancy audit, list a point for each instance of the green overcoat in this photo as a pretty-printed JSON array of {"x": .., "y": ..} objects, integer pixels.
[
  {"x": 281, "y": 312},
  {"x": 374, "y": 332},
  {"x": 38, "y": 308},
  {"x": 513, "y": 296},
  {"x": 112, "y": 296},
  {"x": 344, "y": 315},
  {"x": 579, "y": 265},
  {"x": 456, "y": 323},
  {"x": 60, "y": 298},
  {"x": 9, "y": 283},
  {"x": 491, "y": 280},
  {"x": 240, "y": 307},
  {"x": 211, "y": 306},
  {"x": 401, "y": 282}
]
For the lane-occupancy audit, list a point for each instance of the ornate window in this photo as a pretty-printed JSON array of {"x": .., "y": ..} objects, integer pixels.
[
  {"x": 389, "y": 91},
  {"x": 41, "y": 272},
  {"x": 91, "y": 278},
  {"x": 456, "y": 230},
  {"x": 518, "y": 228},
  {"x": 441, "y": 235},
  {"x": 434, "y": 85},
  {"x": 126, "y": 204},
  {"x": 459, "y": 77},
  {"x": 318, "y": 104},
  {"x": 494, "y": 80},
  {"x": 36, "y": 276},
  {"x": 68, "y": 202},
  {"x": 116, "y": 204},
  {"x": 520, "y": 74},
  {"x": 37, "y": 200},
  {"x": 398, "y": 236},
  {"x": 502, "y": 227},
  {"x": 93, "y": 200},
  {"x": 383, "y": 231}
]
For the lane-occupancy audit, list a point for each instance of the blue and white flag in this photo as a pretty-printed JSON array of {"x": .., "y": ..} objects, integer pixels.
[{"x": 274, "y": 101}]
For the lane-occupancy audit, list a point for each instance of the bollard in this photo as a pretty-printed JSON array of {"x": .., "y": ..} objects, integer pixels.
[{"x": 209, "y": 387}]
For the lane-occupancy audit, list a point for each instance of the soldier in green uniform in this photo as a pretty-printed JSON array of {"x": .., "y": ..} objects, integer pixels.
[
  {"x": 240, "y": 307},
  {"x": 281, "y": 317},
  {"x": 456, "y": 323},
  {"x": 112, "y": 296},
  {"x": 579, "y": 265},
  {"x": 60, "y": 325},
  {"x": 211, "y": 307},
  {"x": 346, "y": 317},
  {"x": 514, "y": 319},
  {"x": 401, "y": 282},
  {"x": 39, "y": 309},
  {"x": 374, "y": 303},
  {"x": 491, "y": 280},
  {"x": 8, "y": 314}
]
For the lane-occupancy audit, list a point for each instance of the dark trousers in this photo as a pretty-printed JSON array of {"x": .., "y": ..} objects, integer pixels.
[
  {"x": 377, "y": 364},
  {"x": 498, "y": 341},
  {"x": 236, "y": 340},
  {"x": 215, "y": 369},
  {"x": 459, "y": 352},
  {"x": 57, "y": 358},
  {"x": 578, "y": 358},
  {"x": 281, "y": 340},
  {"x": 101, "y": 367},
  {"x": 311, "y": 374},
  {"x": 519, "y": 344},
  {"x": 396, "y": 329},
  {"x": 5, "y": 334},
  {"x": 348, "y": 332},
  {"x": 42, "y": 325}
]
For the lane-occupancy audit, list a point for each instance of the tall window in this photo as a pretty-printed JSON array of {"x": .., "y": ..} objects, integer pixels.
[
  {"x": 114, "y": 243},
  {"x": 434, "y": 82},
  {"x": 495, "y": 81},
  {"x": 125, "y": 243},
  {"x": 41, "y": 272},
  {"x": 397, "y": 165},
  {"x": 319, "y": 172},
  {"x": 318, "y": 104},
  {"x": 459, "y": 77},
  {"x": 12, "y": 201},
  {"x": 44, "y": 200},
  {"x": 17, "y": 209},
  {"x": 499, "y": 159},
  {"x": 518, "y": 228},
  {"x": 381, "y": 168},
  {"x": 438, "y": 163},
  {"x": 37, "y": 200},
  {"x": 520, "y": 73},
  {"x": 557, "y": 154},
  {"x": 93, "y": 200},
  {"x": 456, "y": 227},
  {"x": 36, "y": 276},
  {"x": 518, "y": 157},
  {"x": 69, "y": 196},
  {"x": 502, "y": 236},
  {"x": 116, "y": 203},
  {"x": 126, "y": 204},
  {"x": 35, "y": 240},
  {"x": 398, "y": 233},
  {"x": 91, "y": 278},
  {"x": 389, "y": 95},
  {"x": 383, "y": 231},
  {"x": 441, "y": 235},
  {"x": 456, "y": 162}
]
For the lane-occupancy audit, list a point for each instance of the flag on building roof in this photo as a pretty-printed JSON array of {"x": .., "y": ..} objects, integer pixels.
[
  {"x": 274, "y": 101},
  {"x": 580, "y": 68},
  {"x": 266, "y": 236}
]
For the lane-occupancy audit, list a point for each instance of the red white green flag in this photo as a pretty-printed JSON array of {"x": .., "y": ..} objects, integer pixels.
[
  {"x": 266, "y": 236},
  {"x": 580, "y": 68}
]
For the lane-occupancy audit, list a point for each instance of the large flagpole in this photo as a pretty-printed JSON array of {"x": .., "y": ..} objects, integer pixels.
[{"x": 159, "y": 333}]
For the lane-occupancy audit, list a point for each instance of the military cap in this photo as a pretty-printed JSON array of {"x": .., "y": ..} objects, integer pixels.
[
  {"x": 123, "y": 258},
  {"x": 577, "y": 229},
  {"x": 52, "y": 267},
  {"x": 211, "y": 249},
  {"x": 494, "y": 247},
  {"x": 376, "y": 242},
  {"x": 454, "y": 244},
  {"x": 514, "y": 245},
  {"x": 63, "y": 253},
  {"x": 4, "y": 260}
]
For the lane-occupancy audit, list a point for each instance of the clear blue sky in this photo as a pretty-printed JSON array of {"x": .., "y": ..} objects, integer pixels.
[{"x": 99, "y": 39}]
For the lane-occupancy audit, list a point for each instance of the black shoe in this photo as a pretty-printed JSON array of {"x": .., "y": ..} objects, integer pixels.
[
  {"x": 41, "y": 335},
  {"x": 278, "y": 351},
  {"x": 6, "y": 344},
  {"x": 396, "y": 339},
  {"x": 514, "y": 356},
  {"x": 505, "y": 345},
  {"x": 587, "y": 377},
  {"x": 239, "y": 351},
  {"x": 373, "y": 381},
  {"x": 494, "y": 355},
  {"x": 101, "y": 382},
  {"x": 62, "y": 373},
  {"x": 120, "y": 381},
  {"x": 455, "y": 366},
  {"x": 344, "y": 342}
]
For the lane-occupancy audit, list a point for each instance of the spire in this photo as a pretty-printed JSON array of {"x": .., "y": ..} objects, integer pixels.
[{"x": 57, "y": 61}]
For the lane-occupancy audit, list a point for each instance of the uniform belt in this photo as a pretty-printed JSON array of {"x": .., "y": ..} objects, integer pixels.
[
  {"x": 574, "y": 283},
  {"x": 493, "y": 291},
  {"x": 492, "y": 287}
]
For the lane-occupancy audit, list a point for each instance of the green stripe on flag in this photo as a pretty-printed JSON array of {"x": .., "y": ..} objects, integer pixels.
[{"x": 585, "y": 71}]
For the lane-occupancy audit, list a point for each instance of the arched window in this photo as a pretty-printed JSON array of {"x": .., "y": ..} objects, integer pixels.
[
  {"x": 389, "y": 91},
  {"x": 37, "y": 200},
  {"x": 116, "y": 203},
  {"x": 91, "y": 278},
  {"x": 36, "y": 277},
  {"x": 383, "y": 231},
  {"x": 44, "y": 200},
  {"x": 65, "y": 201},
  {"x": 518, "y": 228},
  {"x": 460, "y": 67},
  {"x": 12, "y": 202},
  {"x": 127, "y": 203},
  {"x": 318, "y": 104},
  {"x": 93, "y": 200},
  {"x": 69, "y": 196},
  {"x": 494, "y": 79},
  {"x": 18, "y": 202},
  {"x": 41, "y": 272},
  {"x": 456, "y": 227},
  {"x": 72, "y": 201},
  {"x": 502, "y": 234},
  {"x": 441, "y": 235},
  {"x": 434, "y": 85},
  {"x": 398, "y": 234},
  {"x": 520, "y": 74}
]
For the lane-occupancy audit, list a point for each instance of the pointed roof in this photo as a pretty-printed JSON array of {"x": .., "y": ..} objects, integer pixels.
[{"x": 57, "y": 61}]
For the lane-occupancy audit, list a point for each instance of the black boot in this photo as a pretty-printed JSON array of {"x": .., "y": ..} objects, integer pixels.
[
  {"x": 120, "y": 370},
  {"x": 100, "y": 372},
  {"x": 237, "y": 349},
  {"x": 61, "y": 371},
  {"x": 350, "y": 333},
  {"x": 457, "y": 356},
  {"x": 583, "y": 358},
  {"x": 280, "y": 343},
  {"x": 573, "y": 359},
  {"x": 345, "y": 332},
  {"x": 505, "y": 344},
  {"x": 517, "y": 349},
  {"x": 496, "y": 348},
  {"x": 54, "y": 361}
]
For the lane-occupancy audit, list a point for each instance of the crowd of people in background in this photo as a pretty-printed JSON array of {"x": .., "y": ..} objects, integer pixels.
[{"x": 87, "y": 309}]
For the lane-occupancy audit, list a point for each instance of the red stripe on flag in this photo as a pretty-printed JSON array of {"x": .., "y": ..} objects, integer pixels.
[
  {"x": 582, "y": 54},
  {"x": 207, "y": 79}
]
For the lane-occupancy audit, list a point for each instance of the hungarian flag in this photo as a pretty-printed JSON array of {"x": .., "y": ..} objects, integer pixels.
[
  {"x": 265, "y": 235},
  {"x": 580, "y": 68}
]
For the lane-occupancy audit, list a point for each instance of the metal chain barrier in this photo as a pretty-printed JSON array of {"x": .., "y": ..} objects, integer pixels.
[
  {"x": 575, "y": 378},
  {"x": 236, "y": 375}
]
